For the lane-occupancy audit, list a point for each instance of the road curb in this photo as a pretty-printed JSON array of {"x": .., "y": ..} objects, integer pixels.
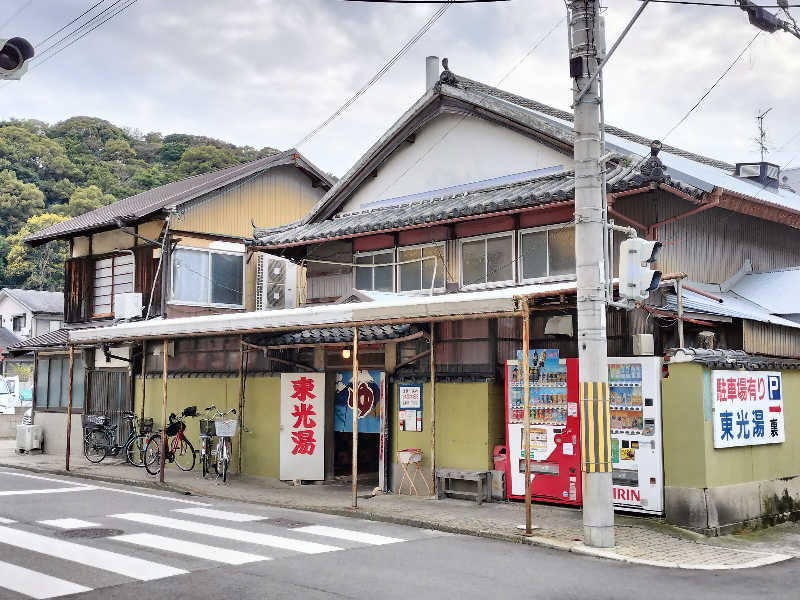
[{"x": 760, "y": 558}]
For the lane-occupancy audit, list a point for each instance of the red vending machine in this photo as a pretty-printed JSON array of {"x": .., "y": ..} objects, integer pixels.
[{"x": 555, "y": 445}]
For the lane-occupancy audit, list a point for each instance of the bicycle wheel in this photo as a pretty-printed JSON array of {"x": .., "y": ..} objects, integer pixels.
[
  {"x": 95, "y": 445},
  {"x": 226, "y": 461},
  {"x": 184, "y": 455},
  {"x": 219, "y": 456},
  {"x": 134, "y": 451},
  {"x": 152, "y": 455}
]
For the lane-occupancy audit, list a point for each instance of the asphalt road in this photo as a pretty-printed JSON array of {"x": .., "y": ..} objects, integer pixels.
[{"x": 71, "y": 538}]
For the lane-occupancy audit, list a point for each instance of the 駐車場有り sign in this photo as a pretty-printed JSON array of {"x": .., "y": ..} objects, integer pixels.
[{"x": 748, "y": 408}]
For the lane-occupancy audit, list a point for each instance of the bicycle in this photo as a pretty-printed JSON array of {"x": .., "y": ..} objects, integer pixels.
[
  {"x": 207, "y": 433},
  {"x": 224, "y": 429},
  {"x": 99, "y": 435},
  {"x": 180, "y": 450}
]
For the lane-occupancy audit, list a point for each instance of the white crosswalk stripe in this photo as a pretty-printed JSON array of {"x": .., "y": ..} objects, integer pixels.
[
  {"x": 159, "y": 542},
  {"x": 349, "y": 535},
  {"x": 68, "y": 523},
  {"x": 34, "y": 584},
  {"x": 4, "y": 521},
  {"x": 89, "y": 556},
  {"x": 222, "y": 515},
  {"x": 250, "y": 537}
]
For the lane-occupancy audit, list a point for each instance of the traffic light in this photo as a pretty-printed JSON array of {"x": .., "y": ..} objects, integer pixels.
[
  {"x": 15, "y": 53},
  {"x": 636, "y": 278}
]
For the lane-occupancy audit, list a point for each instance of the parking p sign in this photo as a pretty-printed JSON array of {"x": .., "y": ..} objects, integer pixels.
[{"x": 774, "y": 386}]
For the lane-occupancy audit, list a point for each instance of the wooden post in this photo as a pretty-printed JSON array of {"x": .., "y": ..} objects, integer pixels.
[
  {"x": 144, "y": 375},
  {"x": 433, "y": 407},
  {"x": 354, "y": 383},
  {"x": 680, "y": 312},
  {"x": 164, "y": 351},
  {"x": 526, "y": 400},
  {"x": 241, "y": 405},
  {"x": 69, "y": 406}
]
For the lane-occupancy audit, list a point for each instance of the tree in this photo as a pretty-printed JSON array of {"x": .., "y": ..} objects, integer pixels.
[
  {"x": 118, "y": 149},
  {"x": 202, "y": 159},
  {"x": 18, "y": 202},
  {"x": 82, "y": 200},
  {"x": 39, "y": 267}
]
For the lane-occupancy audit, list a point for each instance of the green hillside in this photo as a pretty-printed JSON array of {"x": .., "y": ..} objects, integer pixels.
[{"x": 52, "y": 172}]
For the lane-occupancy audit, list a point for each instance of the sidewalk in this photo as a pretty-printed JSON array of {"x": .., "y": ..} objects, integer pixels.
[{"x": 639, "y": 540}]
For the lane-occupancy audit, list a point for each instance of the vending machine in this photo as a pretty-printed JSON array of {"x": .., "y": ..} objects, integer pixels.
[
  {"x": 636, "y": 450},
  {"x": 554, "y": 444}
]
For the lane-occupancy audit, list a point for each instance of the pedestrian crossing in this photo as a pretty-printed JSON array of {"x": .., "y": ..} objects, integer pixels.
[{"x": 42, "y": 559}]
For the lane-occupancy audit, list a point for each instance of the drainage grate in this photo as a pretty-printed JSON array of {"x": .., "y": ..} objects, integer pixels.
[
  {"x": 90, "y": 533},
  {"x": 288, "y": 523}
]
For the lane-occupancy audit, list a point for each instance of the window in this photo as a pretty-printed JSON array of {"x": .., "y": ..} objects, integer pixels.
[
  {"x": 420, "y": 267},
  {"x": 18, "y": 323},
  {"x": 54, "y": 325},
  {"x": 112, "y": 275},
  {"x": 375, "y": 278},
  {"x": 208, "y": 277},
  {"x": 52, "y": 375},
  {"x": 547, "y": 252},
  {"x": 488, "y": 260}
]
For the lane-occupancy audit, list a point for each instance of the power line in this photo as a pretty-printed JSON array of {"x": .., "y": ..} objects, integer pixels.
[
  {"x": 716, "y": 4},
  {"x": 14, "y": 15},
  {"x": 407, "y": 46},
  {"x": 55, "y": 33},
  {"x": 71, "y": 34}
]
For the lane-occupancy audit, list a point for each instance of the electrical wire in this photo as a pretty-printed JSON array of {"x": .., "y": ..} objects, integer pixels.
[
  {"x": 716, "y": 4},
  {"x": 70, "y": 34},
  {"x": 381, "y": 72},
  {"x": 55, "y": 33}
]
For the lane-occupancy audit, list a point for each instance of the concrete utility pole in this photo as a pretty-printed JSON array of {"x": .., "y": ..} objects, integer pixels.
[{"x": 598, "y": 510}]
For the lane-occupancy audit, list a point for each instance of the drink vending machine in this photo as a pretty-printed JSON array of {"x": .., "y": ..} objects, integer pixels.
[
  {"x": 634, "y": 387},
  {"x": 554, "y": 446},
  {"x": 636, "y": 443}
]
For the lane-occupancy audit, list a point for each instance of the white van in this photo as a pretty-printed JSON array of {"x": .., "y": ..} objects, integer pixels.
[{"x": 7, "y": 399}]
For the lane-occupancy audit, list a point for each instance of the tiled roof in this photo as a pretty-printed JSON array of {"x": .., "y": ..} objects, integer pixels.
[
  {"x": 730, "y": 359},
  {"x": 7, "y": 338},
  {"x": 136, "y": 207},
  {"x": 51, "y": 340},
  {"x": 38, "y": 302},
  {"x": 533, "y": 192},
  {"x": 335, "y": 335}
]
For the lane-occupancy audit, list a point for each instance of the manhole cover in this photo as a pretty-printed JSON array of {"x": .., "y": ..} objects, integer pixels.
[
  {"x": 90, "y": 533},
  {"x": 288, "y": 523}
]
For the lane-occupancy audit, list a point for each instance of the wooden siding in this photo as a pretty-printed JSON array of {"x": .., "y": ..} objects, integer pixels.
[
  {"x": 78, "y": 280},
  {"x": 278, "y": 196},
  {"x": 712, "y": 245},
  {"x": 771, "y": 340}
]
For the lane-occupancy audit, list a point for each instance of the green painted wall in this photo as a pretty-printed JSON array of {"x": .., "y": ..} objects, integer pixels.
[
  {"x": 262, "y": 408},
  {"x": 690, "y": 459}
]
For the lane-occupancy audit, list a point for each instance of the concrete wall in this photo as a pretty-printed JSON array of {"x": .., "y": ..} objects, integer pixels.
[
  {"x": 463, "y": 151},
  {"x": 54, "y": 433},
  {"x": 715, "y": 489}
]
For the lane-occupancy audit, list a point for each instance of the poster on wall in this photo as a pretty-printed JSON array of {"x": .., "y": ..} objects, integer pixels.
[
  {"x": 302, "y": 433},
  {"x": 409, "y": 407},
  {"x": 748, "y": 408},
  {"x": 371, "y": 391}
]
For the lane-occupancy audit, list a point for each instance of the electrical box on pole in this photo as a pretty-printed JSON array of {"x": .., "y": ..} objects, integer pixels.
[{"x": 636, "y": 278}]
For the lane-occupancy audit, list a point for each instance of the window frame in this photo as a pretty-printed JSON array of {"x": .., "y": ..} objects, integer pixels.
[
  {"x": 112, "y": 256},
  {"x": 79, "y": 383},
  {"x": 547, "y": 278},
  {"x": 208, "y": 251},
  {"x": 442, "y": 266},
  {"x": 392, "y": 265},
  {"x": 24, "y": 318},
  {"x": 488, "y": 284}
]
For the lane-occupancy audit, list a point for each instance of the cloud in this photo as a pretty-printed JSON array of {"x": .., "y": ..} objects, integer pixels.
[{"x": 265, "y": 72}]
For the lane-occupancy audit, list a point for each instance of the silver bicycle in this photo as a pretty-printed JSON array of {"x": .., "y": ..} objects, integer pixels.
[{"x": 224, "y": 429}]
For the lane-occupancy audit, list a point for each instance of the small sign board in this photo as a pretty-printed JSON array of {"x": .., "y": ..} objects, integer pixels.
[
  {"x": 409, "y": 406},
  {"x": 748, "y": 408}
]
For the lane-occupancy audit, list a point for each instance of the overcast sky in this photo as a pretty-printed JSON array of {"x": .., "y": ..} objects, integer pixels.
[{"x": 265, "y": 72}]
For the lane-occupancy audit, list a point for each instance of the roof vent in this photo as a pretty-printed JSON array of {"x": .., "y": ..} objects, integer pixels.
[{"x": 767, "y": 174}]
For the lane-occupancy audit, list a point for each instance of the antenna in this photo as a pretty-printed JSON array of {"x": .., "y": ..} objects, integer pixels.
[{"x": 761, "y": 140}]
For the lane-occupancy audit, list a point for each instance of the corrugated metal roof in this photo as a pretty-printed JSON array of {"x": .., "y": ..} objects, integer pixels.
[
  {"x": 777, "y": 291},
  {"x": 37, "y": 301},
  {"x": 7, "y": 338},
  {"x": 136, "y": 207},
  {"x": 52, "y": 340},
  {"x": 336, "y": 335}
]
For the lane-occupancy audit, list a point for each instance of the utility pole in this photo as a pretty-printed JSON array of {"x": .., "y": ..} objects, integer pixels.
[{"x": 598, "y": 510}]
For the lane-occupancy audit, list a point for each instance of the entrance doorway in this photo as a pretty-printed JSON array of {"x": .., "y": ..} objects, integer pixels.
[{"x": 370, "y": 405}]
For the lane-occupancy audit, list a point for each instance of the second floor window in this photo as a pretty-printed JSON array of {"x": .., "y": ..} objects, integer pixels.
[
  {"x": 547, "y": 252},
  {"x": 370, "y": 276},
  {"x": 112, "y": 275},
  {"x": 207, "y": 277},
  {"x": 487, "y": 261},
  {"x": 18, "y": 323},
  {"x": 420, "y": 267}
]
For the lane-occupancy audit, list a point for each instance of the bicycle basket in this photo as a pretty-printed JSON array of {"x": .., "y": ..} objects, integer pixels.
[
  {"x": 226, "y": 427},
  {"x": 207, "y": 427},
  {"x": 94, "y": 421},
  {"x": 174, "y": 427},
  {"x": 146, "y": 425}
]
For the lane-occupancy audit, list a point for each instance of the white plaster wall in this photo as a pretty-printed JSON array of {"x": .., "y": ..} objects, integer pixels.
[
  {"x": 54, "y": 426},
  {"x": 471, "y": 150},
  {"x": 9, "y": 308}
]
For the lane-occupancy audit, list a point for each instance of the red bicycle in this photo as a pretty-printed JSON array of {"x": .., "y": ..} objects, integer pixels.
[{"x": 179, "y": 448}]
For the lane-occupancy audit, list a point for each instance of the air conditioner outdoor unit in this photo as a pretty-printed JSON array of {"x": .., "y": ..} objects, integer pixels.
[
  {"x": 276, "y": 283},
  {"x": 127, "y": 305},
  {"x": 29, "y": 437}
]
